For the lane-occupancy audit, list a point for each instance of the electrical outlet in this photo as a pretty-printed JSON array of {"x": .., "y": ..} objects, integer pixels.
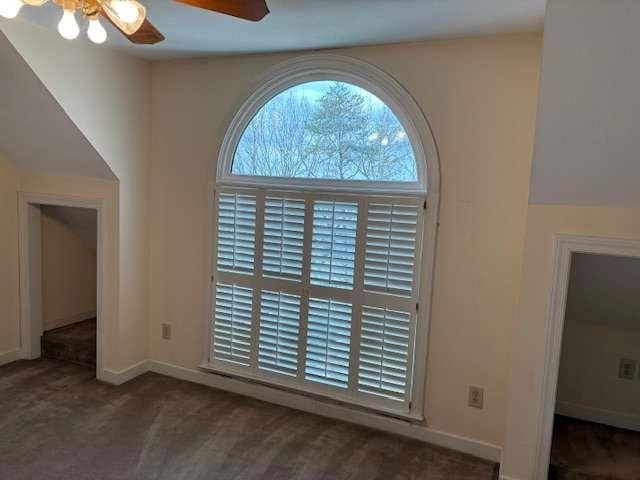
[
  {"x": 627, "y": 369},
  {"x": 476, "y": 397},
  {"x": 166, "y": 331}
]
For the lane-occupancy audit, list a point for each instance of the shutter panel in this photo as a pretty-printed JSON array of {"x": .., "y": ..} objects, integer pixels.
[
  {"x": 279, "y": 327},
  {"x": 232, "y": 324},
  {"x": 328, "y": 342},
  {"x": 236, "y": 232},
  {"x": 390, "y": 248},
  {"x": 334, "y": 244},
  {"x": 384, "y": 352},
  {"x": 283, "y": 237}
]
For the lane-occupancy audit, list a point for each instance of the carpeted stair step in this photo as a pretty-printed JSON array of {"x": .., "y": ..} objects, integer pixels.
[{"x": 73, "y": 343}]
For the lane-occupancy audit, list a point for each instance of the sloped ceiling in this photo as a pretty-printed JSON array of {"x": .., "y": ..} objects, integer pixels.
[
  {"x": 586, "y": 147},
  {"x": 82, "y": 221},
  {"x": 311, "y": 24},
  {"x": 35, "y": 132}
]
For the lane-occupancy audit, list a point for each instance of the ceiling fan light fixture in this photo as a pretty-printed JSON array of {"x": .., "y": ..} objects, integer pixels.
[
  {"x": 10, "y": 8},
  {"x": 68, "y": 26},
  {"x": 96, "y": 32},
  {"x": 127, "y": 15}
]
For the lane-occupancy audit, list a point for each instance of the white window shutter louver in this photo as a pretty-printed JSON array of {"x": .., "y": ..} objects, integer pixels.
[
  {"x": 317, "y": 293},
  {"x": 279, "y": 330},
  {"x": 283, "y": 237},
  {"x": 384, "y": 352},
  {"x": 390, "y": 248},
  {"x": 236, "y": 232},
  {"x": 232, "y": 323},
  {"x": 334, "y": 244},
  {"x": 328, "y": 339}
]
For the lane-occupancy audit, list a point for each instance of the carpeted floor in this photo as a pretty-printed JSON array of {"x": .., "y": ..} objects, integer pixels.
[
  {"x": 591, "y": 451},
  {"x": 58, "y": 422},
  {"x": 73, "y": 343}
]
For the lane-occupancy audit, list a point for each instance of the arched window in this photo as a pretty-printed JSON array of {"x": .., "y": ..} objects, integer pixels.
[{"x": 325, "y": 215}]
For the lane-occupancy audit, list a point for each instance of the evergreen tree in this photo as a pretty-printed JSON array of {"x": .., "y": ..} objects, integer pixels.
[{"x": 338, "y": 129}]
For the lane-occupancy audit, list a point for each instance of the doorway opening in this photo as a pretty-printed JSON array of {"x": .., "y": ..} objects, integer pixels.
[
  {"x": 591, "y": 390},
  {"x": 60, "y": 263}
]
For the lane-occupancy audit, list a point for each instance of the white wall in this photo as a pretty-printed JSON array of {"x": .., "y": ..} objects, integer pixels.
[
  {"x": 69, "y": 263},
  {"x": 107, "y": 95},
  {"x": 9, "y": 280},
  {"x": 585, "y": 153},
  {"x": 480, "y": 96}
]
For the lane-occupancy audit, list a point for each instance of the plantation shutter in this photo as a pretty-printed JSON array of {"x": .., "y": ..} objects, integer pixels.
[
  {"x": 384, "y": 352},
  {"x": 279, "y": 328},
  {"x": 334, "y": 244},
  {"x": 236, "y": 232},
  {"x": 283, "y": 237},
  {"x": 232, "y": 330},
  {"x": 318, "y": 293},
  {"x": 328, "y": 342},
  {"x": 390, "y": 248}
]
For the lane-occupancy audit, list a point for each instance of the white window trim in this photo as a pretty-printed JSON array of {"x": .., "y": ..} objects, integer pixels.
[{"x": 318, "y": 67}]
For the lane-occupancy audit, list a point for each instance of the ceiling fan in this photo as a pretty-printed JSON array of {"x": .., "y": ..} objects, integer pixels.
[{"x": 129, "y": 16}]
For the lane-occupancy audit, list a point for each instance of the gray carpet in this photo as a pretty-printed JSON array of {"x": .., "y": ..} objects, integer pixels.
[
  {"x": 58, "y": 422},
  {"x": 592, "y": 451}
]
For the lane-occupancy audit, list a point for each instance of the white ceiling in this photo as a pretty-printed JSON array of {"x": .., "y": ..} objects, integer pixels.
[
  {"x": 35, "y": 132},
  {"x": 312, "y": 24}
]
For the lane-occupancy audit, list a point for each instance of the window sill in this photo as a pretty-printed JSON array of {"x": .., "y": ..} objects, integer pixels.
[{"x": 248, "y": 379}]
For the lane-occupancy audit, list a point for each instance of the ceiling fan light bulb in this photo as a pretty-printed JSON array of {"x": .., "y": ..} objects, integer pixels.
[
  {"x": 68, "y": 27},
  {"x": 127, "y": 11},
  {"x": 96, "y": 32},
  {"x": 10, "y": 8}
]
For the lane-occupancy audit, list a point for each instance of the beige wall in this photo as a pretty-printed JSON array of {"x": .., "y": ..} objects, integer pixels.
[
  {"x": 584, "y": 155},
  {"x": 68, "y": 268},
  {"x": 480, "y": 96},
  {"x": 9, "y": 280},
  {"x": 107, "y": 97},
  {"x": 528, "y": 364}
]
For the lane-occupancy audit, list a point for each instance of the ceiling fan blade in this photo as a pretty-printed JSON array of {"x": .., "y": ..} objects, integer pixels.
[
  {"x": 147, "y": 34},
  {"x": 254, "y": 10}
]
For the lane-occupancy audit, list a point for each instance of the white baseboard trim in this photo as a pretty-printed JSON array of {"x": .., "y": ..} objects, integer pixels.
[
  {"x": 598, "y": 415},
  {"x": 122, "y": 376},
  {"x": 10, "y": 356},
  {"x": 399, "y": 427},
  {"x": 379, "y": 422}
]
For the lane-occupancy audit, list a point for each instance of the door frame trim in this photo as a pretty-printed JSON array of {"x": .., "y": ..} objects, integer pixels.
[
  {"x": 565, "y": 246},
  {"x": 26, "y": 322}
]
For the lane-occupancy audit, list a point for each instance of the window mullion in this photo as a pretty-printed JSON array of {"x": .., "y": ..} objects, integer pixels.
[
  {"x": 358, "y": 290},
  {"x": 257, "y": 279},
  {"x": 305, "y": 280}
]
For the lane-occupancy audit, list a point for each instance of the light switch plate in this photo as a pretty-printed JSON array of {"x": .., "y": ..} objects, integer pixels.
[
  {"x": 166, "y": 331},
  {"x": 627, "y": 369},
  {"x": 476, "y": 397}
]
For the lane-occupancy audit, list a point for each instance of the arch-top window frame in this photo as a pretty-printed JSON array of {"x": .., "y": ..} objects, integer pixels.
[{"x": 330, "y": 67}]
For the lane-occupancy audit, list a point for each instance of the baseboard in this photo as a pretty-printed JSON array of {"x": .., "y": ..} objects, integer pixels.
[
  {"x": 379, "y": 422},
  {"x": 122, "y": 376},
  {"x": 399, "y": 427},
  {"x": 10, "y": 356},
  {"x": 598, "y": 415},
  {"x": 63, "y": 322}
]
